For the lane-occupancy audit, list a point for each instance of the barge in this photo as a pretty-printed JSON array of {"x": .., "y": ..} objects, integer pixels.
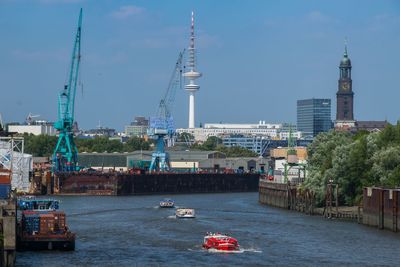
[{"x": 41, "y": 226}]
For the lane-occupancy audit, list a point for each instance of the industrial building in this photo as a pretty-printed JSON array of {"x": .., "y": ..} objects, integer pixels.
[
  {"x": 260, "y": 144},
  {"x": 138, "y": 127},
  {"x": 210, "y": 161},
  {"x": 37, "y": 128},
  {"x": 314, "y": 116},
  {"x": 262, "y": 129},
  {"x": 295, "y": 171},
  {"x": 100, "y": 131}
]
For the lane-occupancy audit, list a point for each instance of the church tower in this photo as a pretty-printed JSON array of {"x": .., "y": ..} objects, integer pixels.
[{"x": 344, "y": 95}]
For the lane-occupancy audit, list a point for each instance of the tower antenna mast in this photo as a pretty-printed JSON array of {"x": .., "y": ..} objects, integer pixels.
[{"x": 192, "y": 75}]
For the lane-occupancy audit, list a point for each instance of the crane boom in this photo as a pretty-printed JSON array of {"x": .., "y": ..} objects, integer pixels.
[
  {"x": 168, "y": 100},
  {"x": 162, "y": 126},
  {"x": 65, "y": 156}
]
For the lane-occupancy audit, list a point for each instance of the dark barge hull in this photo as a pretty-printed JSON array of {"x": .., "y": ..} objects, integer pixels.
[
  {"x": 35, "y": 244},
  {"x": 163, "y": 183}
]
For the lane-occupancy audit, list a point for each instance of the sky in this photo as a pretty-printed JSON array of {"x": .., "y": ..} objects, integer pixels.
[{"x": 257, "y": 58}]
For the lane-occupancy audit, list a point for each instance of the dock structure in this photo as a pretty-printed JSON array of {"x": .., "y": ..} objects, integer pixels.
[
  {"x": 381, "y": 208},
  {"x": 286, "y": 196},
  {"x": 8, "y": 217},
  {"x": 290, "y": 196}
]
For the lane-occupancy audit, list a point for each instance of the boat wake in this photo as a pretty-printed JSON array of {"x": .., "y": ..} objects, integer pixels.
[
  {"x": 212, "y": 250},
  {"x": 251, "y": 250},
  {"x": 241, "y": 250}
]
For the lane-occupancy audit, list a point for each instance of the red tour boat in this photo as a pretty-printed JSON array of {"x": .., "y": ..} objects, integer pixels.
[{"x": 220, "y": 242}]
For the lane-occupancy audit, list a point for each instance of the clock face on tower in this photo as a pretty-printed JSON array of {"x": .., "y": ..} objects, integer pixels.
[{"x": 345, "y": 86}]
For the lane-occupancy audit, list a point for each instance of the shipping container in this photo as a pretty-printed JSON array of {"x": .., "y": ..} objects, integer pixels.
[
  {"x": 5, "y": 190},
  {"x": 5, "y": 179},
  {"x": 46, "y": 223},
  {"x": 59, "y": 220}
]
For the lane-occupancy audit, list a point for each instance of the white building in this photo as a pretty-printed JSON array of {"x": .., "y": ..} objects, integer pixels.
[
  {"x": 35, "y": 129},
  {"x": 274, "y": 131}
]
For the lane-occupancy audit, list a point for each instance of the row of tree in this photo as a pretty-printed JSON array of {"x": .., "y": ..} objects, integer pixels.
[
  {"x": 43, "y": 145},
  {"x": 354, "y": 162}
]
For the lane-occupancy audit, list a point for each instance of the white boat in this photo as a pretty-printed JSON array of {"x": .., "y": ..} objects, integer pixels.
[
  {"x": 185, "y": 213},
  {"x": 167, "y": 203}
]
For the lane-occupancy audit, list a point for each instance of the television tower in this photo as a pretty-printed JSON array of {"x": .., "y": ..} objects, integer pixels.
[{"x": 192, "y": 75}]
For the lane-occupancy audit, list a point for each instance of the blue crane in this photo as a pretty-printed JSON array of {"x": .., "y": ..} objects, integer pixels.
[
  {"x": 162, "y": 126},
  {"x": 65, "y": 155}
]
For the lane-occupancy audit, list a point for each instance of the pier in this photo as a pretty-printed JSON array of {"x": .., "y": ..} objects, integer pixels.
[{"x": 8, "y": 232}]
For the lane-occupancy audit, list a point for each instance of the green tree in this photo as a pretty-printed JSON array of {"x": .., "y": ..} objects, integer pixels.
[
  {"x": 327, "y": 150},
  {"x": 136, "y": 143},
  {"x": 211, "y": 143},
  {"x": 386, "y": 167},
  {"x": 39, "y": 145}
]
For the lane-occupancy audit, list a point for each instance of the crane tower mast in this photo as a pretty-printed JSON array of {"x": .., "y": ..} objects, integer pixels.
[{"x": 65, "y": 155}]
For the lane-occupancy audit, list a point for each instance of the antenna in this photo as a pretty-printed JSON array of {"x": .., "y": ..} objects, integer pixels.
[{"x": 1, "y": 123}]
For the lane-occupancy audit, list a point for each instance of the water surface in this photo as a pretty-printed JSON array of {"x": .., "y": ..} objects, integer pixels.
[{"x": 129, "y": 231}]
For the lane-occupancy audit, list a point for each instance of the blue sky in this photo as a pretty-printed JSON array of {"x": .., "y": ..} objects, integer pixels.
[{"x": 257, "y": 57}]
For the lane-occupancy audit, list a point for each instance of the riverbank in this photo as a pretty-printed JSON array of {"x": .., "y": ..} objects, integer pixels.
[{"x": 380, "y": 207}]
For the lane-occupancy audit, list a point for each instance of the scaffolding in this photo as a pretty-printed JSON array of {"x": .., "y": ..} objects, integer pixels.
[{"x": 12, "y": 158}]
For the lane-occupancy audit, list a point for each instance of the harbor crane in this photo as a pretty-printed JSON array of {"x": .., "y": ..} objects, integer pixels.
[
  {"x": 30, "y": 118},
  {"x": 162, "y": 126},
  {"x": 65, "y": 155}
]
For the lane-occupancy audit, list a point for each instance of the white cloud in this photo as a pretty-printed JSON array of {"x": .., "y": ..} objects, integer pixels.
[{"x": 127, "y": 11}]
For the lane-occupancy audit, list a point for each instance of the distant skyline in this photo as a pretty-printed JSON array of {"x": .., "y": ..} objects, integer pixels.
[{"x": 257, "y": 58}]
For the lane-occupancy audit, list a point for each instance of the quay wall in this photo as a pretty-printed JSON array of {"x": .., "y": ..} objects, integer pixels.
[
  {"x": 381, "y": 208},
  {"x": 8, "y": 217},
  {"x": 133, "y": 184},
  {"x": 286, "y": 196},
  {"x": 274, "y": 194}
]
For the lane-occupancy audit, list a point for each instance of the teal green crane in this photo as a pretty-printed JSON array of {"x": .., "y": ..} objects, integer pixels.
[{"x": 65, "y": 155}]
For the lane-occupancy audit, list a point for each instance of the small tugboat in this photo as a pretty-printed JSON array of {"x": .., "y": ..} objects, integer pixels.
[
  {"x": 185, "y": 213},
  {"x": 220, "y": 242},
  {"x": 41, "y": 226},
  {"x": 167, "y": 203}
]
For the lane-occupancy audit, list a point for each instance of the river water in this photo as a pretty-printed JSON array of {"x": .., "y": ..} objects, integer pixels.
[{"x": 133, "y": 231}]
